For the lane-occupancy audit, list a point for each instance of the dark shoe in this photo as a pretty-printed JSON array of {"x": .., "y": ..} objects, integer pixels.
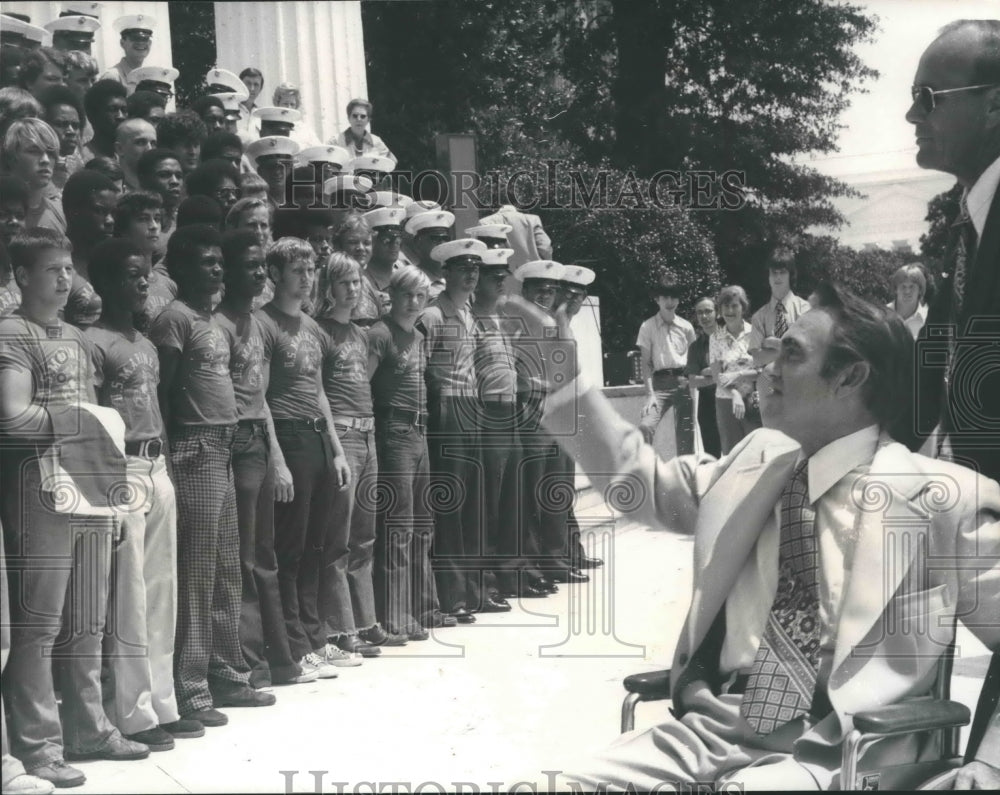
[
  {"x": 494, "y": 604},
  {"x": 292, "y": 675},
  {"x": 116, "y": 748},
  {"x": 188, "y": 729},
  {"x": 207, "y": 717},
  {"x": 544, "y": 584},
  {"x": 60, "y": 774},
  {"x": 527, "y": 590},
  {"x": 463, "y": 616},
  {"x": 376, "y": 636},
  {"x": 244, "y": 697},
  {"x": 417, "y": 634},
  {"x": 437, "y": 620},
  {"x": 567, "y": 575},
  {"x": 587, "y": 563},
  {"x": 354, "y": 645},
  {"x": 156, "y": 738}
]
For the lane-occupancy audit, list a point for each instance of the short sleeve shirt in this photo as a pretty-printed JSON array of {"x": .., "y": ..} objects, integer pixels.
[
  {"x": 665, "y": 344},
  {"x": 203, "y": 391},
  {"x": 345, "y": 370},
  {"x": 296, "y": 359},
  {"x": 732, "y": 351},
  {"x": 83, "y": 308},
  {"x": 451, "y": 348},
  {"x": 496, "y": 371},
  {"x": 57, "y": 356},
  {"x": 398, "y": 381},
  {"x": 10, "y": 298},
  {"x": 126, "y": 374},
  {"x": 250, "y": 347},
  {"x": 162, "y": 290}
]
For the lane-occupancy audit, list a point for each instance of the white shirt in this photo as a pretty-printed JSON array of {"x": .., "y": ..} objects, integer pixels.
[
  {"x": 914, "y": 322},
  {"x": 833, "y": 471},
  {"x": 980, "y": 196}
]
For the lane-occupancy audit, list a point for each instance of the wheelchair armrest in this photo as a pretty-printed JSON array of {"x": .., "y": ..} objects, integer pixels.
[
  {"x": 912, "y": 716},
  {"x": 651, "y": 686}
]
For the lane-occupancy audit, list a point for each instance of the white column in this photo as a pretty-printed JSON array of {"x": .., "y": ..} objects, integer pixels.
[
  {"x": 318, "y": 46},
  {"x": 106, "y": 48}
]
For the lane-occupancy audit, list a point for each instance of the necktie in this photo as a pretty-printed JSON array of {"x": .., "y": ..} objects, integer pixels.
[
  {"x": 782, "y": 683},
  {"x": 965, "y": 255},
  {"x": 780, "y": 320}
]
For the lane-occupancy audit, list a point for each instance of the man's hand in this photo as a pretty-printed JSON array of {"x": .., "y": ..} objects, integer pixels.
[
  {"x": 769, "y": 349},
  {"x": 739, "y": 407},
  {"x": 284, "y": 490},
  {"x": 342, "y": 471},
  {"x": 650, "y": 405},
  {"x": 117, "y": 532},
  {"x": 978, "y": 775}
]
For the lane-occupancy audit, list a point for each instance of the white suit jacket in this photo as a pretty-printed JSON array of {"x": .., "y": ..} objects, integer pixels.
[{"x": 928, "y": 550}]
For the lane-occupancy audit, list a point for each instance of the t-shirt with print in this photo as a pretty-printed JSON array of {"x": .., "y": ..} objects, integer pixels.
[
  {"x": 10, "y": 298},
  {"x": 296, "y": 358},
  {"x": 126, "y": 374},
  {"x": 345, "y": 370},
  {"x": 398, "y": 381},
  {"x": 202, "y": 392},
  {"x": 162, "y": 290},
  {"x": 57, "y": 356},
  {"x": 249, "y": 359},
  {"x": 83, "y": 308}
]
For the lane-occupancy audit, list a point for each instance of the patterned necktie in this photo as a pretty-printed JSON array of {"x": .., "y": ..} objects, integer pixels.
[
  {"x": 780, "y": 320},
  {"x": 965, "y": 255},
  {"x": 781, "y": 685}
]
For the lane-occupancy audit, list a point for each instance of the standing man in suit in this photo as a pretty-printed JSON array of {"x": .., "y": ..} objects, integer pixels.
[
  {"x": 956, "y": 118},
  {"x": 526, "y": 235},
  {"x": 837, "y": 619}
]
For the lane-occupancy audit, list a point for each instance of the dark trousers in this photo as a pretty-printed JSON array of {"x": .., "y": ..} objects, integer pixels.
[
  {"x": 501, "y": 454},
  {"x": 262, "y": 622},
  {"x": 708, "y": 422},
  {"x": 55, "y": 561},
  {"x": 208, "y": 566},
  {"x": 404, "y": 583},
  {"x": 302, "y": 530},
  {"x": 455, "y": 477}
]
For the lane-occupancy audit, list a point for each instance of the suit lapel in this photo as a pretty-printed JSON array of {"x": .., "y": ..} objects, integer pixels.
[
  {"x": 885, "y": 546},
  {"x": 730, "y": 520}
]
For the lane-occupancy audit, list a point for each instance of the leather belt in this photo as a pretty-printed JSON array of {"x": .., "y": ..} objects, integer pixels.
[
  {"x": 254, "y": 425},
  {"x": 417, "y": 418},
  {"x": 670, "y": 371},
  {"x": 317, "y": 424},
  {"x": 147, "y": 448},
  {"x": 356, "y": 423},
  {"x": 505, "y": 400}
]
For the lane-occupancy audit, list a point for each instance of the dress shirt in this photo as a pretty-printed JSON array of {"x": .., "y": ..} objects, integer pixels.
[
  {"x": 763, "y": 319},
  {"x": 664, "y": 344},
  {"x": 451, "y": 348},
  {"x": 833, "y": 471},
  {"x": 914, "y": 322},
  {"x": 980, "y": 196},
  {"x": 495, "y": 361},
  {"x": 118, "y": 72}
]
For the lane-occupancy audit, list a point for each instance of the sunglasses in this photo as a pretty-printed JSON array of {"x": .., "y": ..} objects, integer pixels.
[
  {"x": 925, "y": 94},
  {"x": 388, "y": 236}
]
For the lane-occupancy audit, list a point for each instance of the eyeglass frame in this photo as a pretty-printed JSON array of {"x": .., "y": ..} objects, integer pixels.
[{"x": 917, "y": 93}]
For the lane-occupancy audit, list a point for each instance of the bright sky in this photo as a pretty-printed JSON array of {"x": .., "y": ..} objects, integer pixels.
[{"x": 876, "y": 136}]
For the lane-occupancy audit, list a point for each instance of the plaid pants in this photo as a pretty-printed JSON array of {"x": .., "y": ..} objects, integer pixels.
[{"x": 209, "y": 583}]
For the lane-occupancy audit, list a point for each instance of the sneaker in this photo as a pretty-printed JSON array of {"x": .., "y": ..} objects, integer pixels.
[
  {"x": 353, "y": 644},
  {"x": 25, "y": 784},
  {"x": 206, "y": 717},
  {"x": 376, "y": 636},
  {"x": 293, "y": 675},
  {"x": 156, "y": 738},
  {"x": 323, "y": 669},
  {"x": 244, "y": 696},
  {"x": 116, "y": 748},
  {"x": 334, "y": 655},
  {"x": 58, "y": 773}
]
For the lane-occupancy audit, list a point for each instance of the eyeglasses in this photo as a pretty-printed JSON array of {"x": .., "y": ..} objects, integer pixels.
[
  {"x": 227, "y": 193},
  {"x": 925, "y": 94},
  {"x": 388, "y": 236},
  {"x": 574, "y": 295},
  {"x": 65, "y": 125}
]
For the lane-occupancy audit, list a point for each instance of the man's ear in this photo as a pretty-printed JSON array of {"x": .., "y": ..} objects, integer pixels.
[
  {"x": 20, "y": 276},
  {"x": 852, "y": 378},
  {"x": 274, "y": 272}
]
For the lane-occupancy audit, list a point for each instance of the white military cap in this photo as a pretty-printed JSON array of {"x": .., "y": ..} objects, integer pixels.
[
  {"x": 421, "y": 206},
  {"x": 497, "y": 258},
  {"x": 346, "y": 183},
  {"x": 431, "y": 219},
  {"x": 388, "y": 198},
  {"x": 371, "y": 163},
  {"x": 134, "y": 22},
  {"x": 158, "y": 74},
  {"x": 324, "y": 154},
  {"x": 286, "y": 115},
  {"x": 231, "y": 103},
  {"x": 489, "y": 230},
  {"x": 14, "y": 29},
  {"x": 577, "y": 274},
  {"x": 86, "y": 26},
  {"x": 223, "y": 77},
  {"x": 385, "y": 216},
  {"x": 272, "y": 145},
  {"x": 466, "y": 248},
  {"x": 87, "y": 9},
  {"x": 540, "y": 269}
]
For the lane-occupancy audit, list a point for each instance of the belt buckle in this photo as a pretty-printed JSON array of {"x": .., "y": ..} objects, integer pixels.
[
  {"x": 366, "y": 423},
  {"x": 316, "y": 424},
  {"x": 154, "y": 447}
]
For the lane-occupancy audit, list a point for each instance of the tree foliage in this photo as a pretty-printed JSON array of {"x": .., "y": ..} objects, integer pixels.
[
  {"x": 867, "y": 273},
  {"x": 942, "y": 211},
  {"x": 192, "y": 39}
]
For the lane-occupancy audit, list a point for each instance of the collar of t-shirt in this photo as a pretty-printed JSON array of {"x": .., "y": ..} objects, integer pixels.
[{"x": 980, "y": 196}]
